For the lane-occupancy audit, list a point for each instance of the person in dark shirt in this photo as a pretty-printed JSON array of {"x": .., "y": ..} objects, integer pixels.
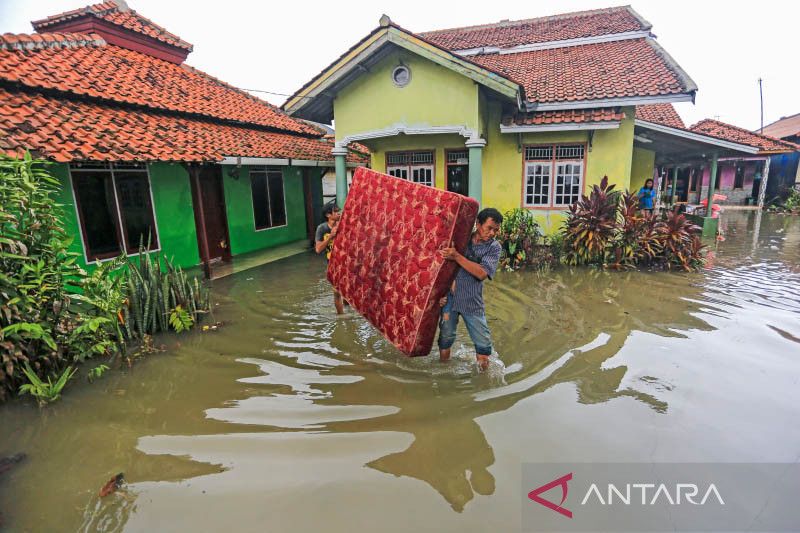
[
  {"x": 323, "y": 242},
  {"x": 465, "y": 299}
]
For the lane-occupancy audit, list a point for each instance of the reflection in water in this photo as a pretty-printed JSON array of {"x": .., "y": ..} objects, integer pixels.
[{"x": 292, "y": 418}]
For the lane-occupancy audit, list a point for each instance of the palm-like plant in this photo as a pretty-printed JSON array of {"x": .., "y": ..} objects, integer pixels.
[{"x": 680, "y": 240}]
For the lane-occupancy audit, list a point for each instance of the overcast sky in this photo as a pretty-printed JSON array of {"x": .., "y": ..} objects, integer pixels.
[{"x": 725, "y": 46}]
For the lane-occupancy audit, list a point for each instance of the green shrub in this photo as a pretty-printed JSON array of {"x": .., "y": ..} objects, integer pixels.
[{"x": 42, "y": 323}]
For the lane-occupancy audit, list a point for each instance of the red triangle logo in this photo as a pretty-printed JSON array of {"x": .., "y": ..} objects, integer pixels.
[{"x": 562, "y": 481}]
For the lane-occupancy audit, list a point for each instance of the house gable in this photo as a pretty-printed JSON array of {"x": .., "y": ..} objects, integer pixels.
[
  {"x": 314, "y": 101},
  {"x": 436, "y": 99}
]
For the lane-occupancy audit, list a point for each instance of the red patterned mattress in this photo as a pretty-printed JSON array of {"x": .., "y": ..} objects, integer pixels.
[{"x": 385, "y": 259}]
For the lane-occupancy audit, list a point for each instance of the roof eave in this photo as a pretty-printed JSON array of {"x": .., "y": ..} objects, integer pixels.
[
  {"x": 610, "y": 102},
  {"x": 695, "y": 136}
]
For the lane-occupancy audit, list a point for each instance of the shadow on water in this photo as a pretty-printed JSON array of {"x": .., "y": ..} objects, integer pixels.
[{"x": 292, "y": 417}]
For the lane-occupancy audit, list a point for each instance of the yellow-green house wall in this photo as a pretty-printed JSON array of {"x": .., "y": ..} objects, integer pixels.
[
  {"x": 642, "y": 166},
  {"x": 435, "y": 96}
]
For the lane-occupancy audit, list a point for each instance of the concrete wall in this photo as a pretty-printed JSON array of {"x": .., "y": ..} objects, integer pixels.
[
  {"x": 435, "y": 96},
  {"x": 642, "y": 166}
]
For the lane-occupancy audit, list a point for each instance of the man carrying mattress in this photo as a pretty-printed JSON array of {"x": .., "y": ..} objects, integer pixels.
[{"x": 466, "y": 296}]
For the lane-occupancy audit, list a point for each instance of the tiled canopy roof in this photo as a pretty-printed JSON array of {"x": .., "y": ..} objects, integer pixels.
[
  {"x": 117, "y": 13},
  {"x": 785, "y": 127},
  {"x": 506, "y": 34},
  {"x": 67, "y": 129},
  {"x": 571, "y": 116},
  {"x": 116, "y": 74},
  {"x": 618, "y": 69},
  {"x": 735, "y": 134},
  {"x": 660, "y": 114}
]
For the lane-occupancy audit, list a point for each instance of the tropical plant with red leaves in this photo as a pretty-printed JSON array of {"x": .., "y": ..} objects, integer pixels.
[
  {"x": 636, "y": 242},
  {"x": 680, "y": 240},
  {"x": 591, "y": 225}
]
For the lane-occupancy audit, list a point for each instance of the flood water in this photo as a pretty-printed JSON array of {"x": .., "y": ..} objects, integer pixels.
[{"x": 289, "y": 418}]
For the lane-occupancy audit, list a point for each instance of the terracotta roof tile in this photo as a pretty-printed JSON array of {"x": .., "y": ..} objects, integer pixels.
[
  {"x": 571, "y": 116},
  {"x": 117, "y": 74},
  {"x": 785, "y": 127},
  {"x": 660, "y": 114},
  {"x": 73, "y": 130},
  {"x": 116, "y": 13},
  {"x": 732, "y": 133},
  {"x": 507, "y": 34},
  {"x": 618, "y": 69}
]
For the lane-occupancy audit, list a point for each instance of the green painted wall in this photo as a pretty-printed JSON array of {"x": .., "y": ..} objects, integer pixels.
[
  {"x": 172, "y": 202},
  {"x": 241, "y": 221},
  {"x": 172, "y": 199},
  {"x": 642, "y": 166},
  {"x": 435, "y": 96}
]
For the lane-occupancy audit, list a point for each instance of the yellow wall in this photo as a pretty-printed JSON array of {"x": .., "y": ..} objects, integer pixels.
[
  {"x": 610, "y": 156},
  {"x": 642, "y": 167},
  {"x": 435, "y": 96}
]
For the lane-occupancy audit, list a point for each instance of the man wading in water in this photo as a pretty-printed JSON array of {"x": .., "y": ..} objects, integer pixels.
[
  {"x": 466, "y": 296},
  {"x": 323, "y": 242}
]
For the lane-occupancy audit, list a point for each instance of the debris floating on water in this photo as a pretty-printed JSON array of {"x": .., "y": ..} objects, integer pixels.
[{"x": 112, "y": 485}]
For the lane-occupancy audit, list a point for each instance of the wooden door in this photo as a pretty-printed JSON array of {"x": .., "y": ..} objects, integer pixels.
[{"x": 209, "y": 211}]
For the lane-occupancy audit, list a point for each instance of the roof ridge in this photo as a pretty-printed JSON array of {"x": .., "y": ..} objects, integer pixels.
[
  {"x": 95, "y": 9},
  {"x": 39, "y": 41},
  {"x": 743, "y": 130},
  {"x": 559, "y": 16},
  {"x": 782, "y": 118}
]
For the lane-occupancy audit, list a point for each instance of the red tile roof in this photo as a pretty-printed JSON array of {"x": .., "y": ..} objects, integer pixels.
[
  {"x": 507, "y": 34},
  {"x": 116, "y": 74},
  {"x": 660, "y": 114},
  {"x": 785, "y": 127},
  {"x": 11, "y": 41},
  {"x": 72, "y": 129},
  {"x": 618, "y": 69},
  {"x": 732, "y": 133},
  {"x": 572, "y": 116},
  {"x": 117, "y": 13}
]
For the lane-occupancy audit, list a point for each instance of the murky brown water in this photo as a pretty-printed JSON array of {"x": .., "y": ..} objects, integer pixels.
[{"x": 291, "y": 419}]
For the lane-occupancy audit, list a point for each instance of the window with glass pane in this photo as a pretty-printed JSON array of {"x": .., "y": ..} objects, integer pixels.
[
  {"x": 398, "y": 172},
  {"x": 136, "y": 210},
  {"x": 269, "y": 209},
  {"x": 568, "y": 183},
  {"x": 423, "y": 175},
  {"x": 115, "y": 209},
  {"x": 537, "y": 184},
  {"x": 97, "y": 211},
  {"x": 418, "y": 166}
]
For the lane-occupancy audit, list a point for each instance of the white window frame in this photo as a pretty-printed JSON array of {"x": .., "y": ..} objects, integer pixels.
[
  {"x": 111, "y": 167},
  {"x": 407, "y": 170},
  {"x": 530, "y": 182},
  {"x": 559, "y": 175},
  {"x": 557, "y": 157}
]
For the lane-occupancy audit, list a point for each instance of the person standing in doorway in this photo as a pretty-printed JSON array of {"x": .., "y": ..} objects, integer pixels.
[
  {"x": 323, "y": 242},
  {"x": 465, "y": 299},
  {"x": 647, "y": 197}
]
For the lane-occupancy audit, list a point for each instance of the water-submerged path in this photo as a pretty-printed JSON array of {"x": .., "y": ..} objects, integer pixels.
[{"x": 288, "y": 418}]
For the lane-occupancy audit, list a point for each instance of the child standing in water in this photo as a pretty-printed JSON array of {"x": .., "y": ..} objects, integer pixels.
[
  {"x": 323, "y": 242},
  {"x": 647, "y": 197}
]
